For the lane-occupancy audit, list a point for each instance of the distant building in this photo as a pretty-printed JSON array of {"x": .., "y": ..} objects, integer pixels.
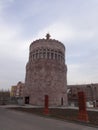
[
  {"x": 46, "y": 73},
  {"x": 4, "y": 97},
  {"x": 13, "y": 91},
  {"x": 16, "y": 94},
  {"x": 17, "y": 90},
  {"x": 91, "y": 92}
]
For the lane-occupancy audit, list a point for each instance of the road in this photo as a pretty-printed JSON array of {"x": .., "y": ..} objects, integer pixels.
[{"x": 14, "y": 120}]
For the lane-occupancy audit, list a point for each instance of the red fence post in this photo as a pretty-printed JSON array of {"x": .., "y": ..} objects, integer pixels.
[
  {"x": 46, "y": 103},
  {"x": 82, "y": 115}
]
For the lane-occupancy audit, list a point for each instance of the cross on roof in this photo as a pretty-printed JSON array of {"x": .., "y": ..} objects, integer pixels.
[{"x": 47, "y": 36}]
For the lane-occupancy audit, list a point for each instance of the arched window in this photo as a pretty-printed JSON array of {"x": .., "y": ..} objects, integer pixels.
[
  {"x": 48, "y": 55},
  {"x": 51, "y": 55},
  {"x": 33, "y": 56},
  {"x": 48, "y": 52},
  {"x": 56, "y": 56},
  {"x": 61, "y": 58},
  {"x": 40, "y": 53},
  {"x": 44, "y": 53},
  {"x": 36, "y": 54}
]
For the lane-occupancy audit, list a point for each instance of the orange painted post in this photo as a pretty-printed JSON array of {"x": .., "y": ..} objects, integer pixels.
[
  {"x": 82, "y": 115},
  {"x": 46, "y": 109}
]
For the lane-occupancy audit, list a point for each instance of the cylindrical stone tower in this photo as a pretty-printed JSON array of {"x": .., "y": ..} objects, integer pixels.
[{"x": 46, "y": 73}]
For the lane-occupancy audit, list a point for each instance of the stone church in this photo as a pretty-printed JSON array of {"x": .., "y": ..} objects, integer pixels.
[{"x": 46, "y": 73}]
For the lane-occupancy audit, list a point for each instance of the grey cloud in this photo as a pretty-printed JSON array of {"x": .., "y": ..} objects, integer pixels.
[{"x": 30, "y": 19}]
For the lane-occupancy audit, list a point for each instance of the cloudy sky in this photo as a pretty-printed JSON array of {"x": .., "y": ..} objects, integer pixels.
[{"x": 73, "y": 22}]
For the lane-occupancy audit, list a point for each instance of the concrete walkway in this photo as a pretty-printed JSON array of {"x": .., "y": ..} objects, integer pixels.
[{"x": 14, "y": 120}]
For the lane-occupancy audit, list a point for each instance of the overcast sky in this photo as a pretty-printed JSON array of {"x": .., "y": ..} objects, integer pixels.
[{"x": 73, "y": 22}]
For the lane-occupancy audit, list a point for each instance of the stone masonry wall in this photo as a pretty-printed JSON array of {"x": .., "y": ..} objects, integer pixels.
[{"x": 46, "y": 73}]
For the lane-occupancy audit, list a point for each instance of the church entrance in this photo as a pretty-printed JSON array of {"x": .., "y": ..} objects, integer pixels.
[{"x": 27, "y": 100}]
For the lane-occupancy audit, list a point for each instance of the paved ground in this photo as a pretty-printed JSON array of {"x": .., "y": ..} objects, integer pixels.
[{"x": 14, "y": 120}]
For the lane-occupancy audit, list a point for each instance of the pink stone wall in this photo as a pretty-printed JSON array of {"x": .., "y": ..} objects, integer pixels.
[{"x": 46, "y": 73}]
